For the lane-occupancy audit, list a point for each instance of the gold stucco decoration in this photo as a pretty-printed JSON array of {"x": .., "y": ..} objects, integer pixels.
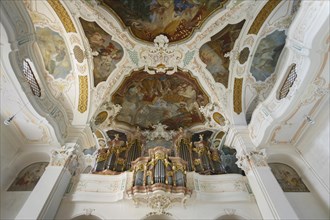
[
  {"x": 63, "y": 15},
  {"x": 238, "y": 95},
  {"x": 83, "y": 94},
  {"x": 262, "y": 16}
]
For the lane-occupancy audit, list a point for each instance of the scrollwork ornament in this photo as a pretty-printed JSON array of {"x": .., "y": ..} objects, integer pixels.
[
  {"x": 161, "y": 58},
  {"x": 59, "y": 157},
  {"x": 159, "y": 203},
  {"x": 253, "y": 158}
]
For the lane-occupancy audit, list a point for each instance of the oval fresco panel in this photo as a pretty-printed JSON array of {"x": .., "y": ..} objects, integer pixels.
[
  {"x": 172, "y": 100},
  {"x": 106, "y": 52},
  {"x": 54, "y": 52},
  {"x": 213, "y": 52},
  {"x": 267, "y": 54},
  {"x": 101, "y": 117},
  {"x": 176, "y": 19},
  {"x": 218, "y": 118}
]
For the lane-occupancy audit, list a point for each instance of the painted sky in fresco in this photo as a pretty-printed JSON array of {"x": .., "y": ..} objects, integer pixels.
[
  {"x": 213, "y": 52},
  {"x": 107, "y": 53},
  {"x": 54, "y": 52},
  {"x": 176, "y": 19},
  {"x": 172, "y": 100},
  {"x": 267, "y": 54}
]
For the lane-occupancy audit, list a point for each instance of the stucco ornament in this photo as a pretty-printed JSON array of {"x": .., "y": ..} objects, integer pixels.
[
  {"x": 60, "y": 157},
  {"x": 253, "y": 158},
  {"x": 161, "y": 58},
  {"x": 209, "y": 111},
  {"x": 159, "y": 132},
  {"x": 159, "y": 203}
]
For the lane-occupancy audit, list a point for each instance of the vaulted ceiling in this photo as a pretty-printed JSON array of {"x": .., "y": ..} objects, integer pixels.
[{"x": 200, "y": 65}]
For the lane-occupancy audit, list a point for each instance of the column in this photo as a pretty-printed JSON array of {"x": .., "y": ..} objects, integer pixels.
[
  {"x": 46, "y": 197},
  {"x": 269, "y": 195}
]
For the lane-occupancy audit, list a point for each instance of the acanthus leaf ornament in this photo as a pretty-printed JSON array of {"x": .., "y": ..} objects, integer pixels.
[
  {"x": 161, "y": 58},
  {"x": 256, "y": 158}
]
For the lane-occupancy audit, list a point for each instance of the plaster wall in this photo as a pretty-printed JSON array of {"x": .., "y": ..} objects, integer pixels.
[
  {"x": 314, "y": 146},
  {"x": 307, "y": 206},
  {"x": 8, "y": 152},
  {"x": 12, "y": 202}
]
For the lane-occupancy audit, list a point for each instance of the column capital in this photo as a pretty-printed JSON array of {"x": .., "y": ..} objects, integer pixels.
[
  {"x": 253, "y": 158},
  {"x": 60, "y": 157}
]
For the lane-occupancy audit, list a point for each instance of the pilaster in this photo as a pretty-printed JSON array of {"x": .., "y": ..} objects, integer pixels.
[
  {"x": 46, "y": 197},
  {"x": 270, "y": 197}
]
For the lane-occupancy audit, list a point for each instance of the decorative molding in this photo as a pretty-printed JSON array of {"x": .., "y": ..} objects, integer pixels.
[
  {"x": 238, "y": 84},
  {"x": 160, "y": 203},
  {"x": 88, "y": 211},
  {"x": 83, "y": 94},
  {"x": 310, "y": 11},
  {"x": 211, "y": 111},
  {"x": 161, "y": 58},
  {"x": 230, "y": 211},
  {"x": 255, "y": 158},
  {"x": 262, "y": 16},
  {"x": 63, "y": 15},
  {"x": 159, "y": 132},
  {"x": 61, "y": 157}
]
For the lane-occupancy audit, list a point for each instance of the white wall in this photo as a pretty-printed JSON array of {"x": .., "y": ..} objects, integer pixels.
[
  {"x": 12, "y": 202},
  {"x": 307, "y": 206},
  {"x": 314, "y": 146},
  {"x": 8, "y": 151}
]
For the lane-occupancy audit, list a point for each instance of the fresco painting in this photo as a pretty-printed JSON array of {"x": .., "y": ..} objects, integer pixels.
[
  {"x": 54, "y": 52},
  {"x": 176, "y": 19},
  {"x": 172, "y": 100},
  {"x": 267, "y": 54},
  {"x": 213, "y": 52},
  {"x": 28, "y": 177},
  {"x": 106, "y": 52},
  {"x": 288, "y": 178}
]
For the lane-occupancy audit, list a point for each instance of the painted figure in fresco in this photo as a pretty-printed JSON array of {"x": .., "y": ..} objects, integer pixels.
[
  {"x": 54, "y": 52},
  {"x": 28, "y": 177},
  {"x": 267, "y": 54},
  {"x": 106, "y": 52},
  {"x": 174, "y": 18}
]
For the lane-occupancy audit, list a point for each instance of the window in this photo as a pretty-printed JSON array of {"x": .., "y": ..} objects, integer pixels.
[
  {"x": 291, "y": 77},
  {"x": 30, "y": 78}
]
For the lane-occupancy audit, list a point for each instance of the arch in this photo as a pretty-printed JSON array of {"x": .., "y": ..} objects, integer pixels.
[
  {"x": 28, "y": 177},
  {"x": 230, "y": 217},
  {"x": 86, "y": 217},
  {"x": 288, "y": 178}
]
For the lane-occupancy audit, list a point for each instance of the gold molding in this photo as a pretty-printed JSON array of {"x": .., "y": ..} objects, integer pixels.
[
  {"x": 238, "y": 84},
  {"x": 262, "y": 16},
  {"x": 63, "y": 15},
  {"x": 83, "y": 94}
]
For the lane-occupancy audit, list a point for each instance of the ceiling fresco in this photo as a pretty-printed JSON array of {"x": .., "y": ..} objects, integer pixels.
[
  {"x": 213, "y": 52},
  {"x": 54, "y": 52},
  {"x": 107, "y": 53},
  {"x": 267, "y": 54},
  {"x": 172, "y": 100},
  {"x": 176, "y": 19}
]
